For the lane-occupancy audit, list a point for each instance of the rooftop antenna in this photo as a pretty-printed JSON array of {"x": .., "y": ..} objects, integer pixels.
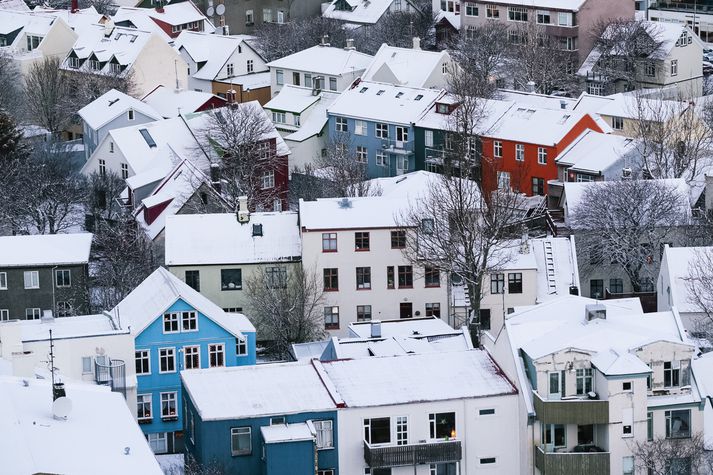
[{"x": 57, "y": 387}]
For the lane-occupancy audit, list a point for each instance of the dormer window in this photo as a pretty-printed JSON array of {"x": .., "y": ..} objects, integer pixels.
[
  {"x": 442, "y": 108},
  {"x": 73, "y": 62},
  {"x": 33, "y": 42},
  {"x": 94, "y": 65}
]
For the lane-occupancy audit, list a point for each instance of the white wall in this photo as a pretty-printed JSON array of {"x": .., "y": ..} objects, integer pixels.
[{"x": 158, "y": 64}]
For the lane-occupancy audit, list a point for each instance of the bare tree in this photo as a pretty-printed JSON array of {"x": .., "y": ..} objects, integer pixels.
[
  {"x": 666, "y": 456},
  {"x": 11, "y": 94},
  {"x": 397, "y": 29},
  {"x": 345, "y": 174},
  {"x": 46, "y": 92},
  {"x": 699, "y": 283},
  {"x": 481, "y": 53},
  {"x": 286, "y": 306},
  {"x": 279, "y": 40},
  {"x": 624, "y": 223},
  {"x": 104, "y": 202},
  {"x": 242, "y": 140}
]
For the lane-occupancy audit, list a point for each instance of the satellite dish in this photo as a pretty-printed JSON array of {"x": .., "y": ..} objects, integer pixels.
[
  {"x": 210, "y": 11},
  {"x": 220, "y": 9},
  {"x": 61, "y": 407}
]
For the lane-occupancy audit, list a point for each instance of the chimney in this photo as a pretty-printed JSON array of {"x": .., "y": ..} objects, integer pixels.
[
  {"x": 325, "y": 41},
  {"x": 11, "y": 338},
  {"x": 108, "y": 28},
  {"x": 563, "y": 104},
  {"x": 350, "y": 44},
  {"x": 215, "y": 177},
  {"x": 75, "y": 6},
  {"x": 376, "y": 328},
  {"x": 416, "y": 42},
  {"x": 47, "y": 316},
  {"x": 531, "y": 87},
  {"x": 595, "y": 311},
  {"x": 243, "y": 213},
  {"x": 226, "y": 30}
]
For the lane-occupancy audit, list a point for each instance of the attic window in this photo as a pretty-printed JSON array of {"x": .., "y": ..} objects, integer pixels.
[
  {"x": 419, "y": 97},
  {"x": 363, "y": 90},
  {"x": 399, "y": 94},
  {"x": 147, "y": 137},
  {"x": 257, "y": 229},
  {"x": 381, "y": 91},
  {"x": 442, "y": 108}
]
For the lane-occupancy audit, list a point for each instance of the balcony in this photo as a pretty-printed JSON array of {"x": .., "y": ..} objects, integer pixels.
[
  {"x": 412, "y": 454},
  {"x": 567, "y": 463},
  {"x": 571, "y": 411},
  {"x": 110, "y": 372}
]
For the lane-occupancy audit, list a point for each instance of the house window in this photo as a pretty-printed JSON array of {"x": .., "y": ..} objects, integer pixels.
[
  {"x": 329, "y": 242},
  {"x": 158, "y": 441},
  {"x": 585, "y": 381},
  {"x": 542, "y": 155},
  {"x": 33, "y": 42},
  {"x": 650, "y": 69},
  {"x": 538, "y": 186},
  {"x": 363, "y": 278},
  {"x": 33, "y": 313},
  {"x": 390, "y": 277},
  {"x": 402, "y": 430},
  {"x": 596, "y": 288},
  {"x": 433, "y": 309},
  {"x": 485, "y": 318},
  {"x": 595, "y": 89},
  {"x": 241, "y": 441},
  {"x": 678, "y": 424},
  {"x": 331, "y": 279},
  {"x": 143, "y": 362},
  {"x": 497, "y": 149},
  {"x": 341, "y": 124},
  {"x": 519, "y": 152},
  {"x": 230, "y": 70},
  {"x": 102, "y": 167},
  {"x": 331, "y": 318},
  {"x": 649, "y": 426},
  {"x": 193, "y": 279},
  {"x": 3, "y": 280},
  {"x": 543, "y": 17},
  {"x": 616, "y": 286},
  {"x": 250, "y": 66},
  {"x": 398, "y": 239},
  {"x": 497, "y": 283},
  {"x": 280, "y": 17},
  {"x": 64, "y": 309},
  {"x": 63, "y": 278},
  {"x": 124, "y": 171},
  {"x": 517, "y": 14},
  {"x": 278, "y": 117},
  {"x": 486, "y": 412},
  {"x": 492, "y": 11},
  {"x": 617, "y": 123},
  {"x": 361, "y": 154},
  {"x": 554, "y": 435},
  {"x": 249, "y": 18},
  {"x": 325, "y": 438},
  {"x": 515, "y": 282},
  {"x": 432, "y": 276},
  {"x": 401, "y": 134},
  {"x": 361, "y": 241},
  {"x": 216, "y": 355},
  {"x": 380, "y": 158},
  {"x": 268, "y": 180},
  {"x": 471, "y": 9},
  {"x": 332, "y": 84},
  {"x": 363, "y": 313},
  {"x": 504, "y": 180},
  {"x": 308, "y": 80},
  {"x": 276, "y": 277},
  {"x": 189, "y": 321},
  {"x": 170, "y": 323},
  {"x": 32, "y": 279},
  {"x": 671, "y": 373},
  {"x": 377, "y": 430},
  {"x": 279, "y": 77},
  {"x": 168, "y": 405},
  {"x": 241, "y": 347},
  {"x": 231, "y": 279},
  {"x": 674, "y": 67},
  {"x": 267, "y": 15},
  {"x": 564, "y": 19},
  {"x": 143, "y": 407},
  {"x": 442, "y": 425},
  {"x": 72, "y": 61},
  {"x": 360, "y": 127},
  {"x": 405, "y": 277},
  {"x": 191, "y": 357},
  {"x": 167, "y": 360}
]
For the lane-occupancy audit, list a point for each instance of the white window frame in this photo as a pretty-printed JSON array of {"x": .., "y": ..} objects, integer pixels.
[
  {"x": 170, "y": 396},
  {"x": 403, "y": 132},
  {"x": 168, "y": 357},
  {"x": 401, "y": 429},
  {"x": 56, "y": 278},
  {"x": 35, "y": 314},
  {"x": 4, "y": 314},
  {"x": 504, "y": 180},
  {"x": 139, "y": 401},
  {"x": 428, "y": 138},
  {"x": 195, "y": 350},
  {"x": 268, "y": 180},
  {"x": 236, "y": 432},
  {"x": 520, "y": 152},
  {"x": 241, "y": 347},
  {"x": 497, "y": 149},
  {"x": 542, "y": 155},
  {"x": 564, "y": 19},
  {"x": 173, "y": 317},
  {"x": 471, "y": 9},
  {"x": 362, "y": 154},
  {"x": 617, "y": 123},
  {"x": 34, "y": 279},
  {"x": 323, "y": 428},
  {"x": 360, "y": 127},
  {"x": 380, "y": 158},
  {"x": 341, "y": 124},
  {"x": 158, "y": 438},
  {"x": 147, "y": 356},
  {"x": 279, "y": 77},
  {"x": 382, "y": 130},
  {"x": 188, "y": 316},
  {"x": 249, "y": 17},
  {"x": 124, "y": 171},
  {"x": 674, "y": 67},
  {"x": 332, "y": 83},
  {"x": 216, "y": 349},
  {"x": 87, "y": 365},
  {"x": 3, "y": 280},
  {"x": 102, "y": 167}
]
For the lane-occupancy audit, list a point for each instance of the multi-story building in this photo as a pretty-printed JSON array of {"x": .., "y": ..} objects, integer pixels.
[
  {"x": 569, "y": 23},
  {"x": 410, "y": 67},
  {"x": 366, "y": 13},
  {"x": 175, "y": 328},
  {"x": 697, "y": 15},
  {"x": 168, "y": 19},
  {"x": 44, "y": 272},
  {"x": 357, "y": 245},
  {"x": 219, "y": 265},
  {"x": 596, "y": 378}
]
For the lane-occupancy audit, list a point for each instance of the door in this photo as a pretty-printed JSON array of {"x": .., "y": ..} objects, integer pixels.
[
  {"x": 555, "y": 385},
  {"x": 406, "y": 310}
]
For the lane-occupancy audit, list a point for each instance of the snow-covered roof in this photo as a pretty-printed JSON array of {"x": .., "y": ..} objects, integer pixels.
[
  {"x": 242, "y": 392},
  {"x": 309, "y": 350},
  {"x": 557, "y": 269},
  {"x": 230, "y": 242},
  {"x": 249, "y": 82},
  {"x": 14, "y": 5},
  {"x": 542, "y": 101},
  {"x": 529, "y": 124},
  {"x": 633, "y": 106},
  {"x": 45, "y": 249},
  {"x": 594, "y": 152},
  {"x": 293, "y": 99},
  {"x": 366, "y": 382},
  {"x": 619, "y": 363},
  {"x": 363, "y": 12},
  {"x": 173, "y": 14},
  {"x": 276, "y": 433},
  {"x": 99, "y": 430},
  {"x": 703, "y": 367},
  {"x": 567, "y": 5},
  {"x": 316, "y": 118},
  {"x": 65, "y": 327},
  {"x": 29, "y": 23},
  {"x": 158, "y": 292},
  {"x": 112, "y": 104},
  {"x": 170, "y": 102},
  {"x": 488, "y": 114},
  {"x": 212, "y": 50},
  {"x": 405, "y": 66},
  {"x": 326, "y": 60},
  {"x": 678, "y": 265},
  {"x": 452, "y": 18},
  {"x": 352, "y": 347},
  {"x": 109, "y": 42},
  {"x": 78, "y": 20},
  {"x": 384, "y": 102},
  {"x": 426, "y": 326}
]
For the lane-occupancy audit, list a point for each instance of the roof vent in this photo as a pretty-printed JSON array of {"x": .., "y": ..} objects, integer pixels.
[
  {"x": 345, "y": 203},
  {"x": 257, "y": 230},
  {"x": 563, "y": 104},
  {"x": 376, "y": 328},
  {"x": 595, "y": 311}
]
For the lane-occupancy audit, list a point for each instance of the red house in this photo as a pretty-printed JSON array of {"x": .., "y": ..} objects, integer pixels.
[{"x": 520, "y": 148}]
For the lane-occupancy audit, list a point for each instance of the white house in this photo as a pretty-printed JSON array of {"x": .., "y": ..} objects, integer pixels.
[
  {"x": 411, "y": 67},
  {"x": 365, "y": 13},
  {"x": 321, "y": 67},
  {"x": 356, "y": 246},
  {"x": 90, "y": 426},
  {"x": 597, "y": 377},
  {"x": 167, "y": 20}
]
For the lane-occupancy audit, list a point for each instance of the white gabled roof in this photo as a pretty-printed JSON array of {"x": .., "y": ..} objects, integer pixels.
[
  {"x": 99, "y": 430},
  {"x": 242, "y": 392},
  {"x": 230, "y": 242},
  {"x": 678, "y": 264},
  {"x": 425, "y": 326},
  {"x": 368, "y": 382},
  {"x": 158, "y": 292},
  {"x": 404, "y": 66},
  {"x": 326, "y": 60},
  {"x": 213, "y": 50},
  {"x": 529, "y": 124},
  {"x": 45, "y": 249},
  {"x": 594, "y": 152},
  {"x": 14, "y": 5},
  {"x": 566, "y": 5},
  {"x": 364, "y": 12},
  {"x": 293, "y": 99},
  {"x": 110, "y": 105},
  {"x": 170, "y": 102}
]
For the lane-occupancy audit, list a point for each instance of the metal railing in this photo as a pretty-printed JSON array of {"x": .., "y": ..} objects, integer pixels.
[
  {"x": 111, "y": 373},
  {"x": 413, "y": 454}
]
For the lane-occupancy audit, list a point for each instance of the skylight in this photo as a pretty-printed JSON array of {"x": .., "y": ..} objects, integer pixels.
[
  {"x": 419, "y": 97},
  {"x": 381, "y": 91},
  {"x": 399, "y": 94},
  {"x": 363, "y": 90},
  {"x": 147, "y": 137}
]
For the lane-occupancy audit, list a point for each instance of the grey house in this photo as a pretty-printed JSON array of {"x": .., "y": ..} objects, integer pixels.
[
  {"x": 110, "y": 111},
  {"x": 44, "y": 272}
]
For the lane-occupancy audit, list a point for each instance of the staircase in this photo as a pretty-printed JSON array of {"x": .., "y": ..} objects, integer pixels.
[{"x": 550, "y": 268}]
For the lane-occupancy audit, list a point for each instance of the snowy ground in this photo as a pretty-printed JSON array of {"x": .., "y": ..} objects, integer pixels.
[{"x": 171, "y": 464}]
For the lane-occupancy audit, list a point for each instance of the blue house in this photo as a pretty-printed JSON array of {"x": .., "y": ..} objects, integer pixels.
[
  {"x": 112, "y": 110},
  {"x": 176, "y": 328},
  {"x": 262, "y": 420},
  {"x": 376, "y": 121}
]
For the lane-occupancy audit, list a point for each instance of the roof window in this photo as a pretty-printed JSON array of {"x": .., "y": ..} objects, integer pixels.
[{"x": 147, "y": 137}]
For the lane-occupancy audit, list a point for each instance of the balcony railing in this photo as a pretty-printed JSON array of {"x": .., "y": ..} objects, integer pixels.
[
  {"x": 111, "y": 373},
  {"x": 567, "y": 463},
  {"x": 571, "y": 411},
  {"x": 412, "y": 454}
]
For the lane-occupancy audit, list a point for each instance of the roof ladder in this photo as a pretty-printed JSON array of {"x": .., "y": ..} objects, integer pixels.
[{"x": 550, "y": 268}]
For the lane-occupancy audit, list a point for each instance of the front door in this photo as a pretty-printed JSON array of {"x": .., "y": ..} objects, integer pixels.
[{"x": 406, "y": 310}]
